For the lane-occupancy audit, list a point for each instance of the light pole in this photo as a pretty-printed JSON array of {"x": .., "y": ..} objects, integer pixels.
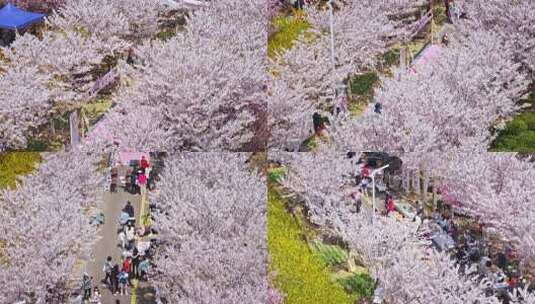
[
  {"x": 338, "y": 87},
  {"x": 331, "y": 21},
  {"x": 373, "y": 189}
]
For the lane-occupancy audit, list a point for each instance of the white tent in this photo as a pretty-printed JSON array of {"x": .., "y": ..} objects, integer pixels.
[{"x": 185, "y": 3}]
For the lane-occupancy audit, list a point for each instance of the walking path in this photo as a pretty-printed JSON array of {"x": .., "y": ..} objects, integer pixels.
[{"x": 107, "y": 244}]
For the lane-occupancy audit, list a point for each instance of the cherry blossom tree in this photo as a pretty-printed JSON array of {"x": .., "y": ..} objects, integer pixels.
[
  {"x": 289, "y": 116},
  {"x": 213, "y": 230},
  {"x": 115, "y": 23},
  {"x": 358, "y": 41},
  {"x": 512, "y": 20},
  {"x": 207, "y": 100},
  {"x": 363, "y": 30},
  {"x": 58, "y": 68},
  {"x": 449, "y": 104},
  {"x": 389, "y": 248},
  {"x": 497, "y": 189},
  {"x": 274, "y": 296},
  {"x": 45, "y": 225},
  {"x": 36, "y": 5},
  {"x": 522, "y": 296},
  {"x": 494, "y": 188}
]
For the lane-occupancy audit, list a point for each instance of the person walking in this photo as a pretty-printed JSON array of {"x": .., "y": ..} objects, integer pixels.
[
  {"x": 128, "y": 208},
  {"x": 135, "y": 263},
  {"x": 122, "y": 238},
  {"x": 142, "y": 182},
  {"x": 358, "y": 167},
  {"x": 419, "y": 216},
  {"x": 86, "y": 286},
  {"x": 377, "y": 108},
  {"x": 447, "y": 4},
  {"x": 389, "y": 204},
  {"x": 364, "y": 182},
  {"x": 96, "y": 296},
  {"x": 127, "y": 267},
  {"x": 130, "y": 235},
  {"x": 445, "y": 40},
  {"x": 130, "y": 58},
  {"x": 143, "y": 163},
  {"x": 123, "y": 282},
  {"x": 365, "y": 171},
  {"x": 133, "y": 180},
  {"x": 115, "y": 279},
  {"x": 357, "y": 198},
  {"x": 143, "y": 269},
  {"x": 318, "y": 123},
  {"x": 107, "y": 271}
]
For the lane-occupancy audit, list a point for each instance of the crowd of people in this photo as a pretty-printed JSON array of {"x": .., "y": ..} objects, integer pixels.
[
  {"x": 497, "y": 267},
  {"x": 134, "y": 262},
  {"x": 139, "y": 177}
]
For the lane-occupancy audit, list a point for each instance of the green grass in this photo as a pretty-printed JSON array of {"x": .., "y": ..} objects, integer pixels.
[
  {"x": 362, "y": 85},
  {"x": 301, "y": 275},
  {"x": 331, "y": 255},
  {"x": 310, "y": 143},
  {"x": 274, "y": 174},
  {"x": 95, "y": 110},
  {"x": 286, "y": 30},
  {"x": 519, "y": 133},
  {"x": 391, "y": 57},
  {"x": 43, "y": 145},
  {"x": 14, "y": 164},
  {"x": 357, "y": 107},
  {"x": 439, "y": 15},
  {"x": 361, "y": 284},
  {"x": 166, "y": 34}
]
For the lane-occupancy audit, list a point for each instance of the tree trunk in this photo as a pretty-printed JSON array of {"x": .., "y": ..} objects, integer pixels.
[
  {"x": 435, "y": 195},
  {"x": 52, "y": 128},
  {"x": 425, "y": 178},
  {"x": 416, "y": 182}
]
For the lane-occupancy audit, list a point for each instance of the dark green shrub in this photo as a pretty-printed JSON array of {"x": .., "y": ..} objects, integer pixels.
[
  {"x": 391, "y": 57},
  {"x": 361, "y": 284}
]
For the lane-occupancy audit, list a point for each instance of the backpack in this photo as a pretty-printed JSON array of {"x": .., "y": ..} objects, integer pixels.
[{"x": 123, "y": 278}]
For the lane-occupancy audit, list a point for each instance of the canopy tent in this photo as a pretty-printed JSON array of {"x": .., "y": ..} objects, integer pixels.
[
  {"x": 185, "y": 3},
  {"x": 13, "y": 18},
  {"x": 126, "y": 157}
]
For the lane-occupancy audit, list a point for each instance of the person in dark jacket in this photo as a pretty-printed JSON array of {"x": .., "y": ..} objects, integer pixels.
[
  {"x": 317, "y": 121},
  {"x": 86, "y": 286},
  {"x": 133, "y": 180},
  {"x": 135, "y": 263},
  {"x": 107, "y": 271},
  {"x": 129, "y": 209},
  {"x": 377, "y": 108},
  {"x": 447, "y": 5},
  {"x": 130, "y": 58},
  {"x": 115, "y": 279},
  {"x": 299, "y": 4}
]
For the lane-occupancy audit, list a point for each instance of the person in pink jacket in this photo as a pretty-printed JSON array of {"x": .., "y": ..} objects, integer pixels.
[{"x": 142, "y": 182}]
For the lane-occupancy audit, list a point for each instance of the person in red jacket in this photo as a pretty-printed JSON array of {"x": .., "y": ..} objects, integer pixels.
[
  {"x": 126, "y": 268},
  {"x": 144, "y": 163},
  {"x": 364, "y": 171},
  {"x": 142, "y": 182},
  {"x": 389, "y": 204}
]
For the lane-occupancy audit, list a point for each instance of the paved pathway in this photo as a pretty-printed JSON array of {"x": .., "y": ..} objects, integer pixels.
[{"x": 107, "y": 244}]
